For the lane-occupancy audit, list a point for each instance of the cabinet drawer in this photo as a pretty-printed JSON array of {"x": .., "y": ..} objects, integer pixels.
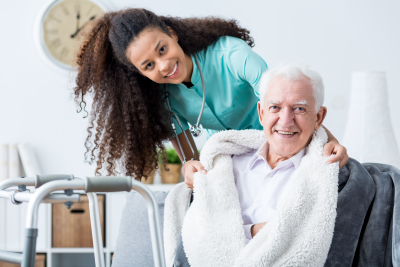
[
  {"x": 71, "y": 227},
  {"x": 40, "y": 262}
]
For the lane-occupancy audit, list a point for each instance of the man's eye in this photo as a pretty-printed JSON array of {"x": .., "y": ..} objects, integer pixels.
[
  {"x": 148, "y": 66},
  {"x": 162, "y": 49},
  {"x": 274, "y": 108},
  {"x": 300, "y": 109}
]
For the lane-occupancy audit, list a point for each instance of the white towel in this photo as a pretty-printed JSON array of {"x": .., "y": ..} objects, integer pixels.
[{"x": 300, "y": 233}]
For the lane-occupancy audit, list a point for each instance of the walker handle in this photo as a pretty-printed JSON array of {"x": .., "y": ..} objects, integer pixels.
[
  {"x": 42, "y": 179},
  {"x": 108, "y": 184}
]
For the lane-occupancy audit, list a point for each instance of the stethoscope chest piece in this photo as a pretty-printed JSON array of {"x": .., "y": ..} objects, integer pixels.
[{"x": 196, "y": 130}]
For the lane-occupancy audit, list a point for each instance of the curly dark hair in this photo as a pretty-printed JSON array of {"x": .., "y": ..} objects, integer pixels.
[{"x": 128, "y": 120}]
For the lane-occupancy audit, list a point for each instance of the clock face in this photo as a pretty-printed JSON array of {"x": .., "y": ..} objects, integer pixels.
[{"x": 62, "y": 28}]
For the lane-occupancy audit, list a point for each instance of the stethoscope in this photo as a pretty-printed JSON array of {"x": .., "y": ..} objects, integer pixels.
[{"x": 197, "y": 129}]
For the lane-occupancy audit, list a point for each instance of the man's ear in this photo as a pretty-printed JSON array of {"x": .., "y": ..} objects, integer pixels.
[
  {"x": 173, "y": 33},
  {"x": 320, "y": 117},
  {"x": 260, "y": 112}
]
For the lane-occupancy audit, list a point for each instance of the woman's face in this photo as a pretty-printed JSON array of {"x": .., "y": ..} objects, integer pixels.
[{"x": 159, "y": 57}]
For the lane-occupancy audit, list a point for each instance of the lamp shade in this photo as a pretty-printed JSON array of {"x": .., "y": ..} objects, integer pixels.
[{"x": 369, "y": 135}]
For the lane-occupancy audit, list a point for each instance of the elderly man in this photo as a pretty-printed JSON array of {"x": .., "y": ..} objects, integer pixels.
[
  {"x": 259, "y": 181},
  {"x": 290, "y": 111},
  {"x": 270, "y": 198}
]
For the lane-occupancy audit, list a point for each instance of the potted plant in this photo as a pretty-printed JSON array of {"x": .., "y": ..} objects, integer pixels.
[
  {"x": 150, "y": 177},
  {"x": 170, "y": 169}
]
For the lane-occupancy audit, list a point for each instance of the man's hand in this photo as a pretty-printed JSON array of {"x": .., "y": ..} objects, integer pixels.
[
  {"x": 189, "y": 169},
  {"x": 255, "y": 228},
  {"x": 339, "y": 151}
]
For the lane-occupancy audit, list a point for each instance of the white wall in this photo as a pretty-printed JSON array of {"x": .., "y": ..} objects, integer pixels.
[{"x": 333, "y": 37}]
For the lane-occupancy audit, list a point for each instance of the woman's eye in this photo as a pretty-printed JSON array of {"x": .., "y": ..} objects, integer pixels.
[
  {"x": 162, "y": 49},
  {"x": 148, "y": 66}
]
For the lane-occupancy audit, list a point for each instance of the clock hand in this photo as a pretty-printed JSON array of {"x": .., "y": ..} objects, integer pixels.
[
  {"x": 84, "y": 24},
  {"x": 78, "y": 15}
]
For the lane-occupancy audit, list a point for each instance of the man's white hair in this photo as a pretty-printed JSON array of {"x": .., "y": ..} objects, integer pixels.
[{"x": 294, "y": 72}]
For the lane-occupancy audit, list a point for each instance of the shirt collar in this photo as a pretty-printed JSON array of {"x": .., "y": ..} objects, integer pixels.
[
  {"x": 195, "y": 74},
  {"x": 296, "y": 159},
  {"x": 259, "y": 155},
  {"x": 262, "y": 152}
]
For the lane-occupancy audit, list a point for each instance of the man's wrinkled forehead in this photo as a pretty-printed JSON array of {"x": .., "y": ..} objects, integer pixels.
[{"x": 297, "y": 92}]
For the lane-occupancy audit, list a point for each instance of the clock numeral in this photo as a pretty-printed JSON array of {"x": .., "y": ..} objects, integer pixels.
[
  {"x": 56, "y": 43},
  {"x": 65, "y": 10},
  {"x": 64, "y": 52},
  {"x": 55, "y": 19},
  {"x": 54, "y": 31}
]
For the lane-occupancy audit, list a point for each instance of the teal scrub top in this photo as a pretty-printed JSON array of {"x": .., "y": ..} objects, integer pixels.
[{"x": 232, "y": 72}]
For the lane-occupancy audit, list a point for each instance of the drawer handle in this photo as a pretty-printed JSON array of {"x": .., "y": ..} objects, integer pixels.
[{"x": 77, "y": 211}]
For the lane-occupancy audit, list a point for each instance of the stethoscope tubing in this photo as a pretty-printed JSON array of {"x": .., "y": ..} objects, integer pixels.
[
  {"x": 204, "y": 91},
  {"x": 179, "y": 121}
]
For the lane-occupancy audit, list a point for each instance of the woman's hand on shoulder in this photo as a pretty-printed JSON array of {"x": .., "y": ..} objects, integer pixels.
[
  {"x": 189, "y": 169},
  {"x": 339, "y": 153}
]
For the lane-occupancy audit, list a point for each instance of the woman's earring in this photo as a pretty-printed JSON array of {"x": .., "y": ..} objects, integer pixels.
[{"x": 82, "y": 108}]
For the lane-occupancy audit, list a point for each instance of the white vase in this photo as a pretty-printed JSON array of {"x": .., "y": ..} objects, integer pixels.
[{"x": 369, "y": 133}]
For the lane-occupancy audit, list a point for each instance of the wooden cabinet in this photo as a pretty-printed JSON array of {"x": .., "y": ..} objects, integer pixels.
[
  {"x": 71, "y": 227},
  {"x": 40, "y": 262}
]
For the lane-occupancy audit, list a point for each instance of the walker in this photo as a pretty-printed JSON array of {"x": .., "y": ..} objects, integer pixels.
[{"x": 47, "y": 184}]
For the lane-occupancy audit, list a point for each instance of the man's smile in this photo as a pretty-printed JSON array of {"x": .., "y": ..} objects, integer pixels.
[{"x": 285, "y": 134}]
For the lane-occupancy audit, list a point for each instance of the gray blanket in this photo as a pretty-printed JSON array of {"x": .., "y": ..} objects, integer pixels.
[{"x": 367, "y": 227}]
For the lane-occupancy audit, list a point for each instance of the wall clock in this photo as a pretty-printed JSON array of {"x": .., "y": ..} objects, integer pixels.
[{"x": 61, "y": 27}]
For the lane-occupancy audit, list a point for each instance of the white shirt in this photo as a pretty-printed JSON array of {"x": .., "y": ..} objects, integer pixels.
[{"x": 261, "y": 189}]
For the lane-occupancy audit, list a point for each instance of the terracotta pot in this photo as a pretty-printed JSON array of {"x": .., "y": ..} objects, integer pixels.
[
  {"x": 173, "y": 174},
  {"x": 150, "y": 178}
]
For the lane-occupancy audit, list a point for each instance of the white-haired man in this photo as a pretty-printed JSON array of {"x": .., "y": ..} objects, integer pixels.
[
  {"x": 296, "y": 208},
  {"x": 272, "y": 194},
  {"x": 290, "y": 110}
]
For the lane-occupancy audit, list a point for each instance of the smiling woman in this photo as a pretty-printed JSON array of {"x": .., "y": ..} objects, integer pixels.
[
  {"x": 124, "y": 60},
  {"x": 127, "y": 61},
  {"x": 174, "y": 71}
]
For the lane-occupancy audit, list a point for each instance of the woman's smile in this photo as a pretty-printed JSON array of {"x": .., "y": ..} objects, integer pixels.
[{"x": 173, "y": 72}]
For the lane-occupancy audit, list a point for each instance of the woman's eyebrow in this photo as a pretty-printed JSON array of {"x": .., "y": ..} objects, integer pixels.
[{"x": 158, "y": 44}]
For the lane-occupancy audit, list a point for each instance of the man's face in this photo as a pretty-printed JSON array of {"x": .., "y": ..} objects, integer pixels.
[{"x": 288, "y": 116}]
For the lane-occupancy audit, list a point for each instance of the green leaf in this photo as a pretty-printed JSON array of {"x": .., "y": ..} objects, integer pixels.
[{"x": 172, "y": 156}]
